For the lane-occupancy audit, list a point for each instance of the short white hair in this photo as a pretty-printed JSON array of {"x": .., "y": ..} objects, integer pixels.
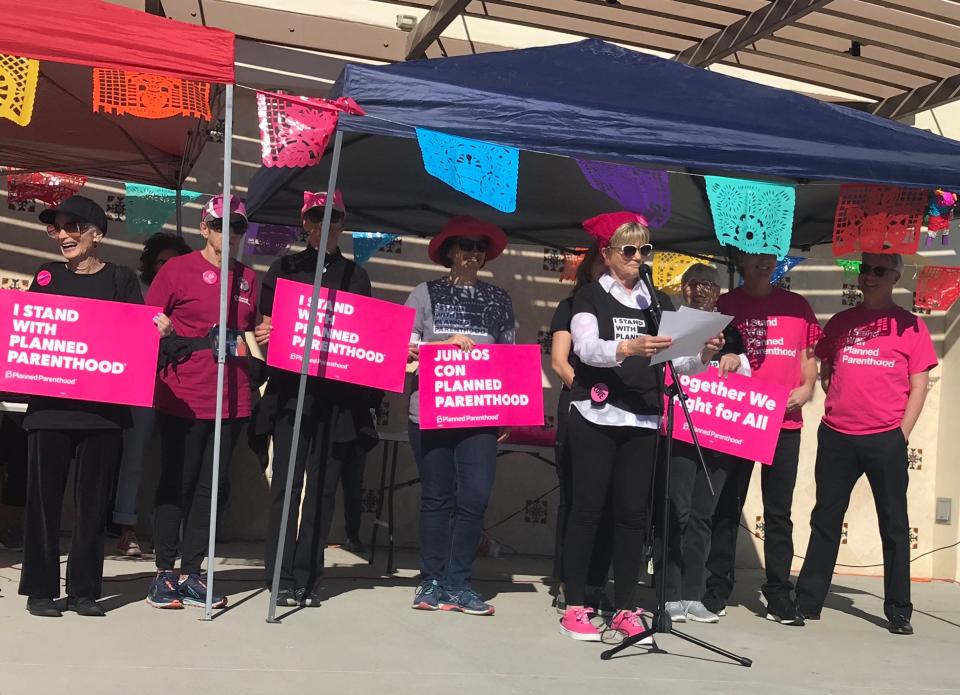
[
  {"x": 896, "y": 258},
  {"x": 701, "y": 271}
]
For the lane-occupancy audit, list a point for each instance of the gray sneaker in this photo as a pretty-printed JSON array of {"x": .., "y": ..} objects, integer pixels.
[
  {"x": 677, "y": 611},
  {"x": 698, "y": 613}
]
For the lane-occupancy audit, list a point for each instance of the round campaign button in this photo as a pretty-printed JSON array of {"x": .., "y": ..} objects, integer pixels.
[
  {"x": 43, "y": 278},
  {"x": 210, "y": 277},
  {"x": 599, "y": 393}
]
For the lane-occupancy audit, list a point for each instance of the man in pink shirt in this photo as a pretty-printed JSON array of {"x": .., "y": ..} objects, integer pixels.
[
  {"x": 875, "y": 363},
  {"x": 779, "y": 332}
]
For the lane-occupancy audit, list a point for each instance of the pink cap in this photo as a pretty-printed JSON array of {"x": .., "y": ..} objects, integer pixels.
[
  {"x": 214, "y": 208},
  {"x": 318, "y": 200}
]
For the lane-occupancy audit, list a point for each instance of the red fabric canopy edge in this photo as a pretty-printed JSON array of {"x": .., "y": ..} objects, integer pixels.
[{"x": 99, "y": 34}]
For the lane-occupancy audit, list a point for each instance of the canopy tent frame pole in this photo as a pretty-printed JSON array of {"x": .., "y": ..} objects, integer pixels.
[
  {"x": 225, "y": 262},
  {"x": 304, "y": 371},
  {"x": 179, "y": 212}
]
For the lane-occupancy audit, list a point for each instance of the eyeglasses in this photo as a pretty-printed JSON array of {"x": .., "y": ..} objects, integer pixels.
[
  {"x": 469, "y": 245},
  {"x": 74, "y": 229},
  {"x": 236, "y": 228},
  {"x": 703, "y": 286},
  {"x": 878, "y": 270},
  {"x": 630, "y": 250}
]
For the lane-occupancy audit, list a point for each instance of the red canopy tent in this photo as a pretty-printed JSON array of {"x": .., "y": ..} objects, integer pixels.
[
  {"x": 73, "y": 42},
  {"x": 66, "y": 134}
]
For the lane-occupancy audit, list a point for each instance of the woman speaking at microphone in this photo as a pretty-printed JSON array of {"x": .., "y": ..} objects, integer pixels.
[
  {"x": 60, "y": 430},
  {"x": 456, "y": 466},
  {"x": 614, "y": 418}
]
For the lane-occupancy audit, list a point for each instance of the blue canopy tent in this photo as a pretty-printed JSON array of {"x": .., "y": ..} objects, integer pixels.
[
  {"x": 594, "y": 100},
  {"x": 588, "y": 100}
]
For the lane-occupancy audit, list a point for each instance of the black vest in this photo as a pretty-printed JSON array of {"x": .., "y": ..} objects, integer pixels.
[{"x": 633, "y": 386}]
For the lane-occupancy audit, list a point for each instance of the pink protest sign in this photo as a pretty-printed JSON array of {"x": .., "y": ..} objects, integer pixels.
[
  {"x": 357, "y": 339},
  {"x": 489, "y": 386},
  {"x": 738, "y": 415},
  {"x": 82, "y": 349}
]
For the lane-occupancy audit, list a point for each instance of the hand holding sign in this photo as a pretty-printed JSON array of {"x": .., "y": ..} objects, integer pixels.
[{"x": 488, "y": 386}]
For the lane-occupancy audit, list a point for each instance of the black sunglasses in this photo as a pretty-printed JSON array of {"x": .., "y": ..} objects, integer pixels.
[
  {"x": 471, "y": 245},
  {"x": 237, "y": 228},
  {"x": 315, "y": 216},
  {"x": 878, "y": 270},
  {"x": 631, "y": 250}
]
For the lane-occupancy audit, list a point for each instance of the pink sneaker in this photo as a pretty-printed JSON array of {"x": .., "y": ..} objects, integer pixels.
[
  {"x": 576, "y": 624},
  {"x": 628, "y": 623}
]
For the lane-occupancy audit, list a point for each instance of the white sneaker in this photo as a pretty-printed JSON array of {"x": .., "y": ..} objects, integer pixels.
[
  {"x": 698, "y": 613},
  {"x": 677, "y": 611}
]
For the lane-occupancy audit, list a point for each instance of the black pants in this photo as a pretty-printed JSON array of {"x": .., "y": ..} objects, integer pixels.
[
  {"x": 614, "y": 462},
  {"x": 777, "y": 482},
  {"x": 603, "y": 543},
  {"x": 302, "y": 562},
  {"x": 841, "y": 460},
  {"x": 186, "y": 484},
  {"x": 97, "y": 453},
  {"x": 344, "y": 467},
  {"x": 13, "y": 454},
  {"x": 691, "y": 518}
]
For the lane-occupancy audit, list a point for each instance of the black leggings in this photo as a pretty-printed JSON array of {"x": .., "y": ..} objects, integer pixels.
[
  {"x": 614, "y": 462},
  {"x": 185, "y": 487}
]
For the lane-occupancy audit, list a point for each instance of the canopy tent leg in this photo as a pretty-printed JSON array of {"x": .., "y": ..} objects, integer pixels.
[
  {"x": 304, "y": 369},
  {"x": 221, "y": 346},
  {"x": 179, "y": 212}
]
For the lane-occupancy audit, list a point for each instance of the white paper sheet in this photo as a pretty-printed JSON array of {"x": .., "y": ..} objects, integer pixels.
[{"x": 690, "y": 330}]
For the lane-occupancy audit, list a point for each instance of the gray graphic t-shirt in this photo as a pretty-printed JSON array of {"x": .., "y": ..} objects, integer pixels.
[{"x": 482, "y": 312}]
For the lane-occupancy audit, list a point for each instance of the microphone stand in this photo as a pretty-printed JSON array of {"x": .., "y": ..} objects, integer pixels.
[{"x": 661, "y": 624}]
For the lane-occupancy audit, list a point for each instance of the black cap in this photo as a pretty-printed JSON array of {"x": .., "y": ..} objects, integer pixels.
[{"x": 80, "y": 208}]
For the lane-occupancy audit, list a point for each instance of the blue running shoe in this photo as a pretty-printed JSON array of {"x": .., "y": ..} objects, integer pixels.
[
  {"x": 164, "y": 592},
  {"x": 427, "y": 597},
  {"x": 193, "y": 592},
  {"x": 466, "y": 601}
]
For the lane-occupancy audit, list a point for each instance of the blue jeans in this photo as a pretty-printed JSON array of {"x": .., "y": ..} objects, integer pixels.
[{"x": 456, "y": 468}]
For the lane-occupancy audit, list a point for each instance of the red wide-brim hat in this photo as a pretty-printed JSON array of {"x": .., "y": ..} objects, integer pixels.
[{"x": 468, "y": 226}]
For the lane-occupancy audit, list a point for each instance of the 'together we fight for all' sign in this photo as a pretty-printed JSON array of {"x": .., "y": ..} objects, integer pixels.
[
  {"x": 83, "y": 349},
  {"x": 738, "y": 415},
  {"x": 489, "y": 386},
  {"x": 357, "y": 339}
]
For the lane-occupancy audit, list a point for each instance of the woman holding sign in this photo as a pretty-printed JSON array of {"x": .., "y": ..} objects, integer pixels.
[
  {"x": 188, "y": 289},
  {"x": 456, "y": 466},
  {"x": 691, "y": 502},
  {"x": 336, "y": 419},
  {"x": 614, "y": 418},
  {"x": 59, "y": 430}
]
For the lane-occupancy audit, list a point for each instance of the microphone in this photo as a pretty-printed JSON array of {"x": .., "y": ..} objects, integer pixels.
[{"x": 646, "y": 277}]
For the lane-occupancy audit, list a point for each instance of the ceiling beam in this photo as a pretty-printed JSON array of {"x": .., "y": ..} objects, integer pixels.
[
  {"x": 432, "y": 25},
  {"x": 313, "y": 32},
  {"x": 753, "y": 27},
  {"x": 919, "y": 99}
]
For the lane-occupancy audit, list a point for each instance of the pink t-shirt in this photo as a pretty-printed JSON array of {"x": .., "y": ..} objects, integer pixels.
[
  {"x": 776, "y": 331},
  {"x": 188, "y": 289},
  {"x": 873, "y": 355}
]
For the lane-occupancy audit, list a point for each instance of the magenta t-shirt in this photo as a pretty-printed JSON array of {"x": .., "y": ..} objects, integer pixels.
[
  {"x": 873, "y": 354},
  {"x": 188, "y": 289},
  {"x": 776, "y": 331}
]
